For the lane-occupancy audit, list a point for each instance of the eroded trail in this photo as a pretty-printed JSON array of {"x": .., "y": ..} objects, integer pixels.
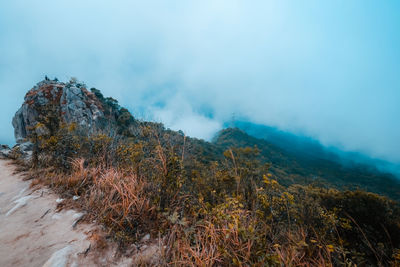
[{"x": 34, "y": 233}]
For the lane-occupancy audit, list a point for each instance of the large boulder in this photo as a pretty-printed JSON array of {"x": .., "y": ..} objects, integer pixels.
[{"x": 51, "y": 102}]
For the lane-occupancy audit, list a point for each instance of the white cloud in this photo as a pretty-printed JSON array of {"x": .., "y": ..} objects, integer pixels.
[{"x": 324, "y": 69}]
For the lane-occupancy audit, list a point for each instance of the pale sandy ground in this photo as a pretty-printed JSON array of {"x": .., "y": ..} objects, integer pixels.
[{"x": 33, "y": 233}]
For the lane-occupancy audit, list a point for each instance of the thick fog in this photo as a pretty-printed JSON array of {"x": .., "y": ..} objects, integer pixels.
[{"x": 330, "y": 71}]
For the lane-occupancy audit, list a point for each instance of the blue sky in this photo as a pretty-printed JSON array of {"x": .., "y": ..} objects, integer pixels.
[{"x": 329, "y": 70}]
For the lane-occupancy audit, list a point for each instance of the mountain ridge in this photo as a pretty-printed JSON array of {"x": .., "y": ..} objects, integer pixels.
[
  {"x": 296, "y": 143},
  {"x": 292, "y": 159}
]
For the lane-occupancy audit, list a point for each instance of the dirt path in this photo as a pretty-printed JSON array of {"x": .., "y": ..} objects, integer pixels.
[{"x": 33, "y": 233}]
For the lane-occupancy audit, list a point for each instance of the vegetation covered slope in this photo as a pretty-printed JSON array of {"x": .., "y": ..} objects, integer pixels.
[
  {"x": 237, "y": 201},
  {"x": 312, "y": 167}
]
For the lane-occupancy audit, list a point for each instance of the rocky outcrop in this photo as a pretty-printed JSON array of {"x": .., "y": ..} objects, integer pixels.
[
  {"x": 51, "y": 102},
  {"x": 4, "y": 151},
  {"x": 21, "y": 152}
]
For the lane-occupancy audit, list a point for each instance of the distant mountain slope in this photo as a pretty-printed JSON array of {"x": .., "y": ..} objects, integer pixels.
[
  {"x": 310, "y": 148},
  {"x": 305, "y": 166},
  {"x": 307, "y": 147}
]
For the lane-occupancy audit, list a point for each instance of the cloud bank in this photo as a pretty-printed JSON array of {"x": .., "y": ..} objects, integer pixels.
[{"x": 326, "y": 70}]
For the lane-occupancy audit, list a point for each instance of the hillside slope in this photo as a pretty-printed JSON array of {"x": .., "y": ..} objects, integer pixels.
[
  {"x": 308, "y": 169},
  {"x": 235, "y": 201},
  {"x": 311, "y": 149}
]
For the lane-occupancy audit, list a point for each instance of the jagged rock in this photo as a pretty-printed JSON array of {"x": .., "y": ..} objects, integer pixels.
[
  {"x": 76, "y": 106},
  {"x": 145, "y": 238},
  {"x": 22, "y": 152},
  {"x": 5, "y": 151},
  {"x": 25, "y": 147}
]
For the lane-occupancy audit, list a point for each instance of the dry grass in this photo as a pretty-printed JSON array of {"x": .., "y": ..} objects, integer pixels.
[
  {"x": 226, "y": 235},
  {"x": 116, "y": 199},
  {"x": 121, "y": 202},
  {"x": 99, "y": 240},
  {"x": 203, "y": 252},
  {"x": 299, "y": 252}
]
